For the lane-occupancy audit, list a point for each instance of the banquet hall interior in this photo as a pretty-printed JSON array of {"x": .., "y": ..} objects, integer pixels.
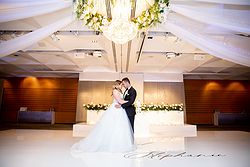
[{"x": 188, "y": 60}]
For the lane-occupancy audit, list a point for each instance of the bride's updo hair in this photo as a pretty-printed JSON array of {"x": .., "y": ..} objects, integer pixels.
[{"x": 116, "y": 85}]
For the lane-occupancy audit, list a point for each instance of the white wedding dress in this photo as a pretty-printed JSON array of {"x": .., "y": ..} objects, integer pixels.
[{"x": 113, "y": 133}]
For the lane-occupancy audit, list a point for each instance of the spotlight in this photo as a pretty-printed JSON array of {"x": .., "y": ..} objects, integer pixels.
[
  {"x": 54, "y": 37},
  {"x": 97, "y": 33}
]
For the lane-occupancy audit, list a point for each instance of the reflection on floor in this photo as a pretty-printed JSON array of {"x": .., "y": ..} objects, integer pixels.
[
  {"x": 185, "y": 130},
  {"x": 47, "y": 148}
]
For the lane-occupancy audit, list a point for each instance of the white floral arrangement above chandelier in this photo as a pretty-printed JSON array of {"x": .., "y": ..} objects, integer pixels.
[{"x": 121, "y": 28}]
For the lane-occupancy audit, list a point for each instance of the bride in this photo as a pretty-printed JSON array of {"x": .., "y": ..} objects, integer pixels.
[{"x": 113, "y": 133}]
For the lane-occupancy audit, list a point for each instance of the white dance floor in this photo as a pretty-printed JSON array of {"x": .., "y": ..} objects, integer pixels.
[{"x": 51, "y": 148}]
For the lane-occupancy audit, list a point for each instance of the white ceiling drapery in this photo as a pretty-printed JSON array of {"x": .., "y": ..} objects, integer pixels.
[
  {"x": 212, "y": 46},
  {"x": 221, "y": 31},
  {"x": 24, "y": 41},
  {"x": 231, "y": 2},
  {"x": 16, "y": 10},
  {"x": 231, "y": 19},
  {"x": 11, "y": 10},
  {"x": 10, "y": 4}
]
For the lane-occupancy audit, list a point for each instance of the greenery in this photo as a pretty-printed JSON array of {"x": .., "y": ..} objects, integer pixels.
[
  {"x": 89, "y": 16},
  {"x": 144, "y": 107},
  {"x": 96, "y": 107},
  {"x": 153, "y": 15},
  {"x": 162, "y": 107}
]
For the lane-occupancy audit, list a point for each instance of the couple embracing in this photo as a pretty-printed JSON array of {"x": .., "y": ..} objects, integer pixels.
[{"x": 114, "y": 131}]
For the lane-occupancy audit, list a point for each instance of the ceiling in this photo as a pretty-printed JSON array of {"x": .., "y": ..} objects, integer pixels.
[{"x": 75, "y": 49}]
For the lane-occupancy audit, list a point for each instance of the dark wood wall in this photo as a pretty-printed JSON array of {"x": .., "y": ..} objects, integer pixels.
[
  {"x": 203, "y": 97},
  {"x": 39, "y": 94}
]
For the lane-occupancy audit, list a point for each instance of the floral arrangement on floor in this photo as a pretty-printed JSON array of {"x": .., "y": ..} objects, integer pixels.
[
  {"x": 84, "y": 10},
  {"x": 144, "y": 107}
]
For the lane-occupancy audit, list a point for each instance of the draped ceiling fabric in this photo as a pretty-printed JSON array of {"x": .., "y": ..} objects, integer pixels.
[
  {"x": 11, "y": 10},
  {"x": 16, "y": 44},
  {"x": 231, "y": 2},
  {"x": 218, "y": 27},
  {"x": 15, "y": 10}
]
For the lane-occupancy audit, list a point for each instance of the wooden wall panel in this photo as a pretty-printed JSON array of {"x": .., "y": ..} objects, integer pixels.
[
  {"x": 92, "y": 91},
  {"x": 1, "y": 94},
  {"x": 200, "y": 118},
  {"x": 203, "y": 97},
  {"x": 150, "y": 93},
  {"x": 167, "y": 92},
  {"x": 39, "y": 94}
]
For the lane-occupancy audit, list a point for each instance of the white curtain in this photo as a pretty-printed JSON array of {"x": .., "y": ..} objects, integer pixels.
[
  {"x": 219, "y": 30},
  {"x": 22, "y": 42},
  {"x": 231, "y": 2},
  {"x": 15, "y": 10},
  {"x": 212, "y": 46},
  {"x": 8, "y": 4},
  {"x": 231, "y": 19}
]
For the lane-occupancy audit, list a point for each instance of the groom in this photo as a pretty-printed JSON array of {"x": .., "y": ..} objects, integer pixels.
[{"x": 129, "y": 95}]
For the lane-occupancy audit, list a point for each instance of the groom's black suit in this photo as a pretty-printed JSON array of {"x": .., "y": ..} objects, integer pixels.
[{"x": 129, "y": 107}]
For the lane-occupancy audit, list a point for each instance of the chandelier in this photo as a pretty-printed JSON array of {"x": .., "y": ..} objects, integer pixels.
[{"x": 121, "y": 28}]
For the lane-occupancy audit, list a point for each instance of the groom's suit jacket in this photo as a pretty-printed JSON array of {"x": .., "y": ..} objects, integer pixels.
[{"x": 130, "y": 96}]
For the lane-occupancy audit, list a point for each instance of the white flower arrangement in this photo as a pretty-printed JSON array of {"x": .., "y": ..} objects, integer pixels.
[
  {"x": 85, "y": 11},
  {"x": 155, "y": 14},
  {"x": 143, "y": 107},
  {"x": 96, "y": 107}
]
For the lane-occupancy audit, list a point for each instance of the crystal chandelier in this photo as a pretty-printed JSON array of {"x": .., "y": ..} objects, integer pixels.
[
  {"x": 114, "y": 18},
  {"x": 121, "y": 29}
]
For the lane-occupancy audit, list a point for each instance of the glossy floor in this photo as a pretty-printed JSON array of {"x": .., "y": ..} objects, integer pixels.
[{"x": 47, "y": 148}]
